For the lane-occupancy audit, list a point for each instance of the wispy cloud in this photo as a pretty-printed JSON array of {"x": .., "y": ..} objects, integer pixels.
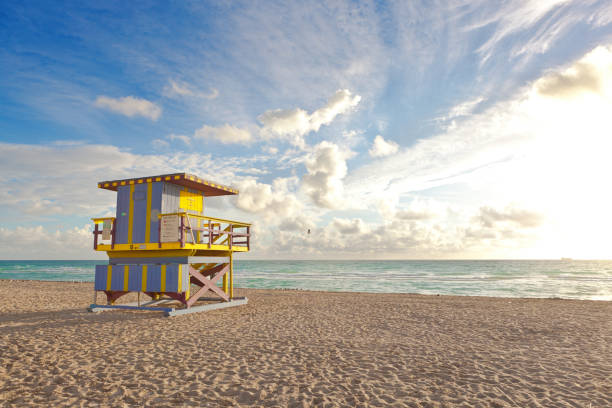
[
  {"x": 547, "y": 140},
  {"x": 512, "y": 18},
  {"x": 176, "y": 89}
]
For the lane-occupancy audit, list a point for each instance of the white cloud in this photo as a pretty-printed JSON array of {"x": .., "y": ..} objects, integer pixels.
[
  {"x": 62, "y": 179},
  {"x": 274, "y": 202},
  {"x": 349, "y": 227},
  {"x": 382, "y": 147},
  {"x": 130, "y": 106},
  {"x": 410, "y": 215},
  {"x": 490, "y": 217},
  {"x": 547, "y": 149},
  {"x": 226, "y": 134},
  {"x": 295, "y": 123},
  {"x": 56, "y": 180},
  {"x": 403, "y": 237},
  {"x": 505, "y": 132},
  {"x": 291, "y": 123},
  {"x": 326, "y": 167},
  {"x": 41, "y": 243},
  {"x": 592, "y": 74},
  {"x": 270, "y": 150},
  {"x": 299, "y": 223}
]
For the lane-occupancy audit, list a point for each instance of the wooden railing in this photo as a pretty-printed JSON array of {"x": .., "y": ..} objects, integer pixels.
[
  {"x": 209, "y": 231},
  {"x": 190, "y": 228},
  {"x": 108, "y": 227}
]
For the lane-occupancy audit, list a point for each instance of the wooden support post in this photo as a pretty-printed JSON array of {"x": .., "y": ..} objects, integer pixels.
[
  {"x": 113, "y": 233},
  {"x": 182, "y": 230},
  {"x": 231, "y": 275},
  {"x": 231, "y": 236},
  {"x": 96, "y": 229},
  {"x": 225, "y": 286},
  {"x": 198, "y": 232},
  {"x": 209, "y": 233},
  {"x": 248, "y": 237}
]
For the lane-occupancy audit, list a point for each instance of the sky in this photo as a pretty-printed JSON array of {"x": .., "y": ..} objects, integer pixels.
[{"x": 390, "y": 130}]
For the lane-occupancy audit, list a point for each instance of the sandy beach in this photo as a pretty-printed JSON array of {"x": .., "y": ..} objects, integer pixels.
[{"x": 299, "y": 348}]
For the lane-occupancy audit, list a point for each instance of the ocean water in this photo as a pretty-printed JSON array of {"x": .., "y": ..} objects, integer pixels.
[{"x": 539, "y": 278}]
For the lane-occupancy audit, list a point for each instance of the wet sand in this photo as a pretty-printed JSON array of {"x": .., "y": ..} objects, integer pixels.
[{"x": 299, "y": 348}]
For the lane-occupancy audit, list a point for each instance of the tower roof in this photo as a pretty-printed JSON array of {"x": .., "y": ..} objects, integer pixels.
[{"x": 208, "y": 188}]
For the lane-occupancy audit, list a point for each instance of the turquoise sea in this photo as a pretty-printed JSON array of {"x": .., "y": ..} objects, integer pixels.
[{"x": 571, "y": 279}]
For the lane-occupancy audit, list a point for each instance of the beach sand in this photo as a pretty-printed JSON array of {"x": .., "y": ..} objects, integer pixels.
[{"x": 301, "y": 348}]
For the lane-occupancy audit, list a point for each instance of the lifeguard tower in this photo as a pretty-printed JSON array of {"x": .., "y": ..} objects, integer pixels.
[{"x": 161, "y": 244}]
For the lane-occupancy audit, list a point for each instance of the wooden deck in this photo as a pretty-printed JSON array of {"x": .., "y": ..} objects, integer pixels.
[{"x": 180, "y": 234}]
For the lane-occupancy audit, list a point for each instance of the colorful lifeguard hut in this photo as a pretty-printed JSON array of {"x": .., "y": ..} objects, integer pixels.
[{"x": 161, "y": 244}]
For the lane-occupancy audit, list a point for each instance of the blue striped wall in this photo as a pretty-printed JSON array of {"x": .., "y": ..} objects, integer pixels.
[
  {"x": 123, "y": 211},
  {"x": 156, "y": 206},
  {"x": 135, "y": 277},
  {"x": 140, "y": 213}
]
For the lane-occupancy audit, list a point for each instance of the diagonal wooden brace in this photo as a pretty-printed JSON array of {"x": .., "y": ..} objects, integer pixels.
[
  {"x": 206, "y": 284},
  {"x": 209, "y": 271}
]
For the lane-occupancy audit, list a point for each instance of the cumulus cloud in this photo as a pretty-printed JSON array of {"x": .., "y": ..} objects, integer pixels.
[
  {"x": 62, "y": 180},
  {"x": 75, "y": 243},
  {"x": 274, "y": 202},
  {"x": 411, "y": 214},
  {"x": 349, "y": 226},
  {"x": 419, "y": 236},
  {"x": 352, "y": 237},
  {"x": 130, "y": 106},
  {"x": 326, "y": 167},
  {"x": 298, "y": 222},
  {"x": 270, "y": 150},
  {"x": 382, "y": 147},
  {"x": 489, "y": 217},
  {"x": 295, "y": 123},
  {"x": 226, "y": 134},
  {"x": 590, "y": 74}
]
